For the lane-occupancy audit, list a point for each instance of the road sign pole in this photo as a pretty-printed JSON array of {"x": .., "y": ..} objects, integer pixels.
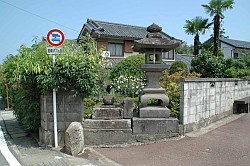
[
  {"x": 55, "y": 38},
  {"x": 54, "y": 110}
]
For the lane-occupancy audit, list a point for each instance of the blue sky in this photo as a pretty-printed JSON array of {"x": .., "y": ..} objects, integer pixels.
[{"x": 22, "y": 20}]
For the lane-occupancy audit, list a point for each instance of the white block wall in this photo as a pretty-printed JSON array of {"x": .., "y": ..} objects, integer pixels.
[{"x": 204, "y": 98}]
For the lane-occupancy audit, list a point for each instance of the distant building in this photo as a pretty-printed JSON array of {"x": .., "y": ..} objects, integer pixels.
[
  {"x": 118, "y": 39},
  {"x": 233, "y": 48}
]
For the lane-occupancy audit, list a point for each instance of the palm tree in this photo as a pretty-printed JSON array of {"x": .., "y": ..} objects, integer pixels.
[
  {"x": 216, "y": 8},
  {"x": 196, "y": 26}
]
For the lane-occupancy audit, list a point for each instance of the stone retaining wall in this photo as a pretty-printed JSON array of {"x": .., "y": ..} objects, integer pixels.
[
  {"x": 205, "y": 100},
  {"x": 69, "y": 109}
]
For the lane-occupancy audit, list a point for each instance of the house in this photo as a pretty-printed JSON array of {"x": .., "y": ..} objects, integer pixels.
[
  {"x": 118, "y": 39},
  {"x": 233, "y": 48}
]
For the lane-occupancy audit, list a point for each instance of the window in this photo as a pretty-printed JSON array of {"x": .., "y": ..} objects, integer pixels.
[
  {"x": 236, "y": 55},
  {"x": 168, "y": 55},
  {"x": 115, "y": 49}
]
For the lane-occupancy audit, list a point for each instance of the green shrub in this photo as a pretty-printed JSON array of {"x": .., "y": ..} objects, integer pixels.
[
  {"x": 89, "y": 104},
  {"x": 177, "y": 66},
  {"x": 26, "y": 108},
  {"x": 209, "y": 66},
  {"x": 128, "y": 86},
  {"x": 246, "y": 59},
  {"x": 127, "y": 77},
  {"x": 236, "y": 68},
  {"x": 171, "y": 82},
  {"x": 129, "y": 66}
]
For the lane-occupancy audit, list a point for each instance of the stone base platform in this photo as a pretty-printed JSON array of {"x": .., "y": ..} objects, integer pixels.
[
  {"x": 126, "y": 131},
  {"x": 107, "y": 124},
  {"x": 107, "y": 132},
  {"x": 155, "y": 125},
  {"x": 154, "y": 112},
  {"x": 106, "y": 137}
]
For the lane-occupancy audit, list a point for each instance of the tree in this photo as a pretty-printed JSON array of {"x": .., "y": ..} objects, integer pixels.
[
  {"x": 31, "y": 73},
  {"x": 196, "y": 26},
  {"x": 185, "y": 49},
  {"x": 216, "y": 8}
]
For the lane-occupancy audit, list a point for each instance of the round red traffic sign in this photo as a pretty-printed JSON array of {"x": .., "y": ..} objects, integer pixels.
[{"x": 55, "y": 37}]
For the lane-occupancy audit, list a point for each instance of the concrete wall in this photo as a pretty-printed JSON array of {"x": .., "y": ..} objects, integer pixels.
[
  {"x": 204, "y": 100},
  {"x": 69, "y": 109}
]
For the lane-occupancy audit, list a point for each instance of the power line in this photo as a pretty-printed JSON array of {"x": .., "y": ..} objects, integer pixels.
[{"x": 38, "y": 15}]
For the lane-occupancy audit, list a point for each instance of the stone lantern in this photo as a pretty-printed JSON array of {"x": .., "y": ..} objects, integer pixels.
[{"x": 153, "y": 46}]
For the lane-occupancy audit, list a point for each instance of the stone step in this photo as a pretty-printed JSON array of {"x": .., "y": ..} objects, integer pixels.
[
  {"x": 108, "y": 136},
  {"x": 107, "y": 112},
  {"x": 107, "y": 124},
  {"x": 155, "y": 125}
]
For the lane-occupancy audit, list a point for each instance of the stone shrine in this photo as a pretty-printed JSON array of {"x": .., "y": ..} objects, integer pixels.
[{"x": 154, "y": 119}]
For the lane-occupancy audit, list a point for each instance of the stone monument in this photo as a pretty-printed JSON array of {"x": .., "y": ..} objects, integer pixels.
[
  {"x": 74, "y": 139},
  {"x": 107, "y": 126},
  {"x": 154, "y": 119}
]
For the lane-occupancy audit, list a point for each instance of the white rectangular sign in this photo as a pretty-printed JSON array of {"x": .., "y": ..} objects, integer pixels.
[{"x": 54, "y": 50}]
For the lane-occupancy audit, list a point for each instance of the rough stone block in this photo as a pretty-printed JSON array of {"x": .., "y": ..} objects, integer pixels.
[
  {"x": 106, "y": 112},
  {"x": 155, "y": 125},
  {"x": 108, "y": 100},
  {"x": 154, "y": 112},
  {"x": 108, "y": 136},
  {"x": 128, "y": 106},
  {"x": 107, "y": 124},
  {"x": 74, "y": 139}
]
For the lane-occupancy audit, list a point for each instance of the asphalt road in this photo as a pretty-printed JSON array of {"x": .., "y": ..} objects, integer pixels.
[{"x": 228, "y": 145}]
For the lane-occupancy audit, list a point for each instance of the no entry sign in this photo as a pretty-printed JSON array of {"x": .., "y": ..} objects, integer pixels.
[{"x": 55, "y": 37}]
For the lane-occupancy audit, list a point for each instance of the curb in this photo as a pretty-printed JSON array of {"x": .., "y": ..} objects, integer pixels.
[{"x": 215, "y": 125}]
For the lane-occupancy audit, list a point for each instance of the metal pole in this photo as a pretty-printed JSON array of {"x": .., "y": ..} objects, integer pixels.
[{"x": 54, "y": 110}]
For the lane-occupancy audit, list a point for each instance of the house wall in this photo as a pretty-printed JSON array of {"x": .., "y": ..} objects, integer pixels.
[
  {"x": 128, "y": 48},
  {"x": 241, "y": 52},
  {"x": 128, "y": 44},
  {"x": 102, "y": 44},
  {"x": 227, "y": 50},
  {"x": 205, "y": 100}
]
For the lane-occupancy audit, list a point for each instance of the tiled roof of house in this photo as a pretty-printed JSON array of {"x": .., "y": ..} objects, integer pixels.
[
  {"x": 182, "y": 57},
  {"x": 107, "y": 29},
  {"x": 236, "y": 43}
]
